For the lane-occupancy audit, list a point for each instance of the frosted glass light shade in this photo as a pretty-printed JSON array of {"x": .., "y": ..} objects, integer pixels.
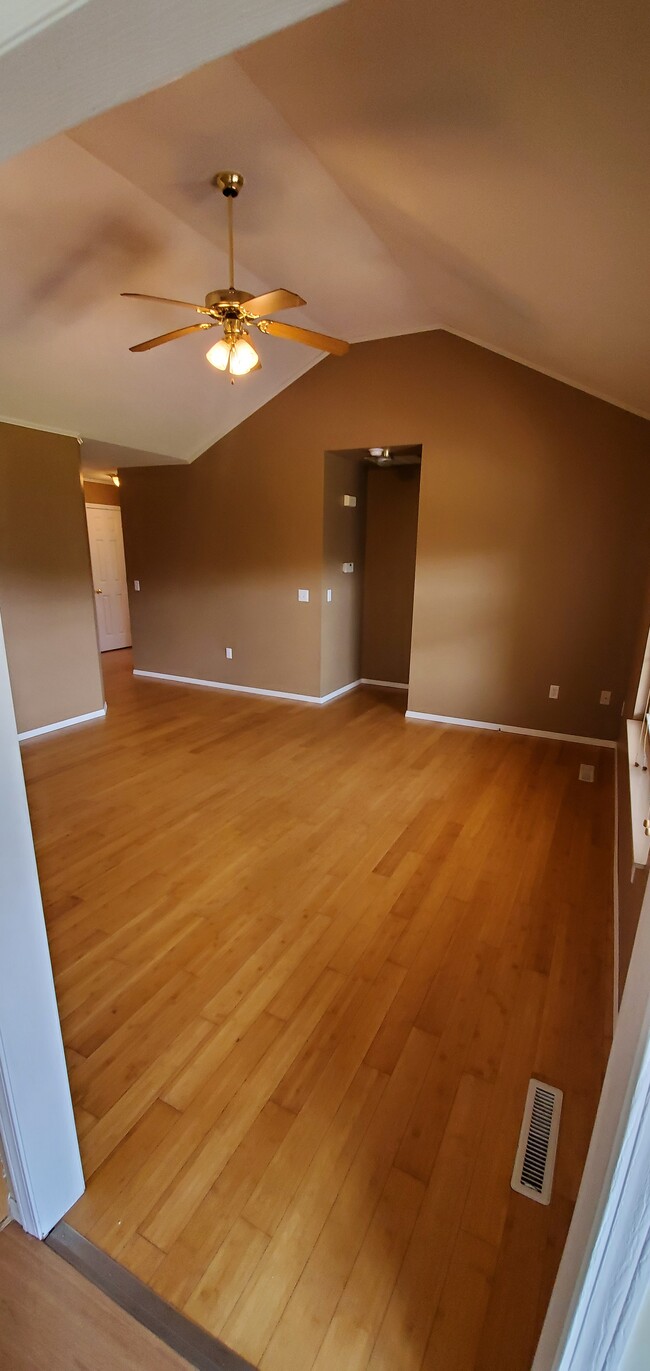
[
  {"x": 237, "y": 356},
  {"x": 219, "y": 355},
  {"x": 243, "y": 357}
]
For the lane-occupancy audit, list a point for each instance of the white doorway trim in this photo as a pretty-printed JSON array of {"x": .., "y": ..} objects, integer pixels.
[
  {"x": 37, "y": 1126},
  {"x": 605, "y": 1268}
]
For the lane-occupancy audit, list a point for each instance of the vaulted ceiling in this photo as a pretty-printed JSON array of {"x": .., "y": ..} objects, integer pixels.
[{"x": 408, "y": 166}]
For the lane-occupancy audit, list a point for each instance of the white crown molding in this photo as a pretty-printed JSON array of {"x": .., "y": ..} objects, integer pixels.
[{"x": 41, "y": 428}]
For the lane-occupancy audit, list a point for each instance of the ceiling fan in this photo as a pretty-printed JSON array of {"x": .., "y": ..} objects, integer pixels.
[{"x": 237, "y": 311}]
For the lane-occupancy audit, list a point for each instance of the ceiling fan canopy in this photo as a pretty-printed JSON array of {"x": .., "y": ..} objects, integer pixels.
[{"x": 236, "y": 312}]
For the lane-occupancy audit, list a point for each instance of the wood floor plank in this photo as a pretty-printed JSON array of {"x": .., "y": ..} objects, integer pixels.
[{"x": 307, "y": 961}]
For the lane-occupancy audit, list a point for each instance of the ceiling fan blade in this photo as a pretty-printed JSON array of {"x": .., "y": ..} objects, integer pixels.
[
  {"x": 162, "y": 300},
  {"x": 167, "y": 337},
  {"x": 272, "y": 301},
  {"x": 304, "y": 335}
]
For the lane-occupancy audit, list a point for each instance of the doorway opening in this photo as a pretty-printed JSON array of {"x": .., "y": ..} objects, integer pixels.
[{"x": 370, "y": 522}]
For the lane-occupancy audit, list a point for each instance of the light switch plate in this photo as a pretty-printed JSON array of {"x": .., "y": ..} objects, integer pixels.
[
  {"x": 136, "y": 585},
  {"x": 348, "y": 566},
  {"x": 554, "y": 692},
  {"x": 328, "y": 595},
  {"x": 350, "y": 501},
  {"x": 586, "y": 772},
  {"x": 229, "y": 653},
  {"x": 303, "y": 596},
  {"x": 605, "y": 697}
]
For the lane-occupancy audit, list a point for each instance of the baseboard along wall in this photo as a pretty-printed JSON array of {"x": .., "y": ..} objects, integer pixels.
[
  {"x": 250, "y": 690},
  {"x": 62, "y": 723},
  {"x": 509, "y": 728}
]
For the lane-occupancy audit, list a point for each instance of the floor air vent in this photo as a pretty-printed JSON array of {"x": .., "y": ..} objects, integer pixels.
[{"x": 535, "y": 1160}]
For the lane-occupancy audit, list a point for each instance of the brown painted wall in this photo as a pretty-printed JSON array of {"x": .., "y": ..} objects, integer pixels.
[
  {"x": 46, "y": 594},
  {"x": 531, "y": 535},
  {"x": 221, "y": 549},
  {"x": 631, "y": 882},
  {"x": 343, "y": 541},
  {"x": 98, "y": 493},
  {"x": 389, "y": 572}
]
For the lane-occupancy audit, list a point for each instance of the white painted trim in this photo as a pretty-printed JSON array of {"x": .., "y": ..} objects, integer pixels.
[
  {"x": 605, "y": 1265},
  {"x": 639, "y": 795},
  {"x": 510, "y": 728},
  {"x": 250, "y": 690},
  {"x": 63, "y": 723},
  {"x": 615, "y": 907},
  {"x": 448, "y": 719},
  {"x": 388, "y": 685},
  {"x": 36, "y": 1117},
  {"x": 40, "y": 428},
  {"x": 334, "y": 694}
]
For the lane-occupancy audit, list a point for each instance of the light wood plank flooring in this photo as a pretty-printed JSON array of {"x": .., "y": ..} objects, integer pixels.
[
  {"x": 51, "y": 1319},
  {"x": 307, "y": 960}
]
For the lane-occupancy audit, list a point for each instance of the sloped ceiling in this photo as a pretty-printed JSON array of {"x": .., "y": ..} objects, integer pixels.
[{"x": 408, "y": 166}]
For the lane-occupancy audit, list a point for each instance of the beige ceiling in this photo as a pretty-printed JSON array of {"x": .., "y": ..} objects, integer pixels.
[{"x": 409, "y": 165}]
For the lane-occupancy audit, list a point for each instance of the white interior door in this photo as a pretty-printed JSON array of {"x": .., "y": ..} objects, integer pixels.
[{"x": 109, "y": 576}]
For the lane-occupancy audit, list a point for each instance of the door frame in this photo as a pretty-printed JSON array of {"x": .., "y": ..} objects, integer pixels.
[{"x": 37, "y": 1125}]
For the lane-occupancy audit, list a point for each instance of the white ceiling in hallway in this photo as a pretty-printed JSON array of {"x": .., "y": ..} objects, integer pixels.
[{"x": 407, "y": 166}]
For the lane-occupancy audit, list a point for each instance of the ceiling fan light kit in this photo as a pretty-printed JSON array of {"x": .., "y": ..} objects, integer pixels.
[{"x": 237, "y": 311}]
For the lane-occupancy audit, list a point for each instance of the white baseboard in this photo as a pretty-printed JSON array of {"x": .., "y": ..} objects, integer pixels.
[
  {"x": 62, "y": 723},
  {"x": 388, "y": 685},
  {"x": 510, "y": 728},
  {"x": 250, "y": 690}
]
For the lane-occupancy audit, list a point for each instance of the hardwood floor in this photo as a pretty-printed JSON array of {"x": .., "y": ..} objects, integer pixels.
[
  {"x": 307, "y": 960},
  {"x": 52, "y": 1319}
]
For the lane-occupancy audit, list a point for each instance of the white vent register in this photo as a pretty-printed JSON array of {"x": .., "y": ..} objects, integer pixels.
[{"x": 535, "y": 1160}]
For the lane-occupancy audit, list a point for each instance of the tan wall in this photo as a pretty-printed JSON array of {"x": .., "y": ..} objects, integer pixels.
[
  {"x": 46, "y": 595},
  {"x": 98, "y": 493},
  {"x": 631, "y": 882},
  {"x": 531, "y": 535},
  {"x": 221, "y": 549},
  {"x": 343, "y": 539},
  {"x": 389, "y": 572}
]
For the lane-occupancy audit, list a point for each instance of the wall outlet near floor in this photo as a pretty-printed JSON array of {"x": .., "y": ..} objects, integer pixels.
[
  {"x": 586, "y": 772},
  {"x": 136, "y": 585},
  {"x": 554, "y": 692},
  {"x": 348, "y": 566},
  {"x": 328, "y": 595},
  {"x": 229, "y": 653},
  {"x": 303, "y": 596},
  {"x": 605, "y": 697}
]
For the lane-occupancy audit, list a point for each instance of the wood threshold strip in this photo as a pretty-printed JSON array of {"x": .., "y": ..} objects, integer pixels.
[{"x": 184, "y": 1337}]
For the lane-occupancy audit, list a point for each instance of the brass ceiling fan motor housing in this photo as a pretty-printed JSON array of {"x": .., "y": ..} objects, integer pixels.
[{"x": 229, "y": 183}]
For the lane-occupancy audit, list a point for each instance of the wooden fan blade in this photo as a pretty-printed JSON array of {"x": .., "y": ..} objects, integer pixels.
[
  {"x": 305, "y": 335},
  {"x": 162, "y": 300},
  {"x": 272, "y": 301},
  {"x": 167, "y": 337}
]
